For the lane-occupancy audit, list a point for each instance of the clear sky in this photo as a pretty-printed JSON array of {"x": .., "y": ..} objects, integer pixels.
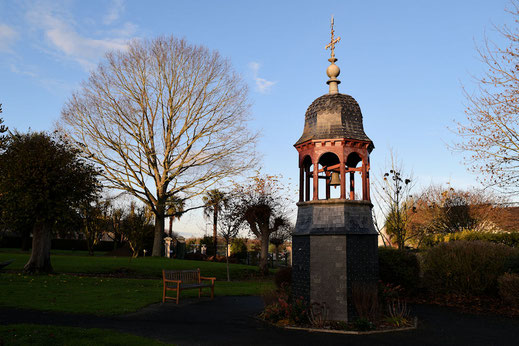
[{"x": 403, "y": 61}]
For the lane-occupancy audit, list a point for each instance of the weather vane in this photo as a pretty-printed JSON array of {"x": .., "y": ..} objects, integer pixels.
[{"x": 332, "y": 43}]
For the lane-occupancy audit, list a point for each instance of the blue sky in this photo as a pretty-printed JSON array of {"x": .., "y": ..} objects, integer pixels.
[{"x": 403, "y": 61}]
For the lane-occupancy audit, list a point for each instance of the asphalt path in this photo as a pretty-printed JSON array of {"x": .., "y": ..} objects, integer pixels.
[{"x": 231, "y": 321}]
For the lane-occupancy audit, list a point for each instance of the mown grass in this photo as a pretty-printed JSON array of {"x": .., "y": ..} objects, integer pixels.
[
  {"x": 54, "y": 252},
  {"x": 105, "y": 285},
  {"x": 33, "y": 334},
  {"x": 100, "y": 295},
  {"x": 139, "y": 267}
]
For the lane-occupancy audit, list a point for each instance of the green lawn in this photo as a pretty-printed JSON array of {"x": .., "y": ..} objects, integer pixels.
[
  {"x": 33, "y": 334},
  {"x": 65, "y": 262},
  {"x": 98, "y": 295},
  {"x": 81, "y": 285}
]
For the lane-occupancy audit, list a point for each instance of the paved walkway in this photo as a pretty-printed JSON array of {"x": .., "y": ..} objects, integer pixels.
[{"x": 228, "y": 321}]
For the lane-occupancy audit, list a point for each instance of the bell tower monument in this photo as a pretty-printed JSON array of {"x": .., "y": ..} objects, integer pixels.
[{"x": 334, "y": 242}]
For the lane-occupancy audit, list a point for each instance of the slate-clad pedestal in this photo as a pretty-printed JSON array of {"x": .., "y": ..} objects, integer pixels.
[{"x": 334, "y": 245}]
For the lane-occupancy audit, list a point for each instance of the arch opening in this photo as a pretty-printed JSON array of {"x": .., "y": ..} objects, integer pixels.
[{"x": 329, "y": 163}]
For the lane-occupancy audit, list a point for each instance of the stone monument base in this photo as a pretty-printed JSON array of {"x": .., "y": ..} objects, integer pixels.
[{"x": 334, "y": 246}]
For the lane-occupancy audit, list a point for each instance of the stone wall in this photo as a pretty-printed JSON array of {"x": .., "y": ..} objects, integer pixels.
[{"x": 328, "y": 283}]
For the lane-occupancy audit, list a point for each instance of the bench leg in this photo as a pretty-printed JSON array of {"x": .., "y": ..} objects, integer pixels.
[
  {"x": 164, "y": 294},
  {"x": 178, "y": 294}
]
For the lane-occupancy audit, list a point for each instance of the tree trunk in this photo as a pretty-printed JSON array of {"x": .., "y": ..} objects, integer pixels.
[
  {"x": 215, "y": 223},
  {"x": 227, "y": 260},
  {"x": 89, "y": 238},
  {"x": 158, "y": 240},
  {"x": 40, "y": 254},
  {"x": 263, "y": 265},
  {"x": 277, "y": 256}
]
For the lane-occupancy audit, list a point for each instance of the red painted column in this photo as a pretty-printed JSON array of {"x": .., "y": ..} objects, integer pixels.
[
  {"x": 367, "y": 186},
  {"x": 352, "y": 186},
  {"x": 327, "y": 185},
  {"x": 307, "y": 183},
  {"x": 301, "y": 184},
  {"x": 316, "y": 181},
  {"x": 364, "y": 182},
  {"x": 343, "y": 180}
]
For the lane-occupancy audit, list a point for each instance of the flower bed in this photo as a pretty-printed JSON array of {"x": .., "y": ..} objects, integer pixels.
[{"x": 377, "y": 312}]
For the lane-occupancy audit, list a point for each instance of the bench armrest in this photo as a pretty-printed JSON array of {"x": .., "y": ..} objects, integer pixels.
[
  {"x": 208, "y": 278},
  {"x": 177, "y": 281}
]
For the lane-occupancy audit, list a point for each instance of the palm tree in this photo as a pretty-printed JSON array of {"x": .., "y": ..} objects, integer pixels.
[
  {"x": 214, "y": 200},
  {"x": 175, "y": 208}
]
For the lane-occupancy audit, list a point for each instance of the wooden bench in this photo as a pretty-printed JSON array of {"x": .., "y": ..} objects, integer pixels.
[{"x": 179, "y": 280}]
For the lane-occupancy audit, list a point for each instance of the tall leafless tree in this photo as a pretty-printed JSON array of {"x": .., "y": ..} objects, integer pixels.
[
  {"x": 490, "y": 134},
  {"x": 3, "y": 129},
  {"x": 230, "y": 223},
  {"x": 162, "y": 118},
  {"x": 394, "y": 199},
  {"x": 282, "y": 235}
]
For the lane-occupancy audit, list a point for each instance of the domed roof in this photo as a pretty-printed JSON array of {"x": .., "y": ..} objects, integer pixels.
[{"x": 334, "y": 116}]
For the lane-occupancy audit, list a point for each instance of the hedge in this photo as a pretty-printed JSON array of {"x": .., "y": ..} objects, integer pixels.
[
  {"x": 465, "y": 267},
  {"x": 509, "y": 239}
]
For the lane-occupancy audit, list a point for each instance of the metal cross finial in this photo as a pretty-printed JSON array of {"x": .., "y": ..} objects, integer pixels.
[{"x": 332, "y": 43}]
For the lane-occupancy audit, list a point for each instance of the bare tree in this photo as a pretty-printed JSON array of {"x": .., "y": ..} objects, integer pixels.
[
  {"x": 230, "y": 223},
  {"x": 162, "y": 118},
  {"x": 95, "y": 220},
  {"x": 3, "y": 129},
  {"x": 490, "y": 134},
  {"x": 282, "y": 235},
  {"x": 395, "y": 201},
  {"x": 443, "y": 209}
]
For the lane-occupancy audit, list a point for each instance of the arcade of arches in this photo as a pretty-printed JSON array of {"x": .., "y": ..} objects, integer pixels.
[{"x": 333, "y": 160}]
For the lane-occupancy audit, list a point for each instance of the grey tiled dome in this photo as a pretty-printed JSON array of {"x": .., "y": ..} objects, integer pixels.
[{"x": 334, "y": 116}]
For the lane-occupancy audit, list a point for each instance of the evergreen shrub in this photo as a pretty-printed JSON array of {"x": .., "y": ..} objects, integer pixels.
[
  {"x": 239, "y": 248},
  {"x": 399, "y": 268},
  {"x": 283, "y": 277},
  {"x": 510, "y": 239},
  {"x": 465, "y": 267},
  {"x": 512, "y": 263},
  {"x": 509, "y": 288}
]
